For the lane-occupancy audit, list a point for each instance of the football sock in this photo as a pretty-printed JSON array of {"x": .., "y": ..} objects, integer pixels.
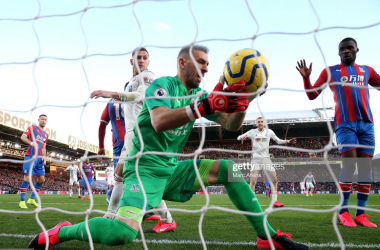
[
  {"x": 110, "y": 192},
  {"x": 346, "y": 189},
  {"x": 103, "y": 230},
  {"x": 83, "y": 191},
  {"x": 274, "y": 196},
  {"x": 116, "y": 195},
  {"x": 24, "y": 187},
  {"x": 78, "y": 191},
  {"x": 70, "y": 192},
  {"x": 37, "y": 186},
  {"x": 165, "y": 215},
  {"x": 345, "y": 183},
  {"x": 242, "y": 197},
  {"x": 362, "y": 197}
]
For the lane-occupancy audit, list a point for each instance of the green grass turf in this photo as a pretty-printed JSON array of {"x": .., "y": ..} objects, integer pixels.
[{"x": 217, "y": 226}]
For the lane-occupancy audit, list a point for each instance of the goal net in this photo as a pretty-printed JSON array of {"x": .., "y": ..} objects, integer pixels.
[{"x": 54, "y": 54}]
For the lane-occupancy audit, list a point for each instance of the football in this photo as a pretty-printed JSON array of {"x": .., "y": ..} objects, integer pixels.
[{"x": 245, "y": 65}]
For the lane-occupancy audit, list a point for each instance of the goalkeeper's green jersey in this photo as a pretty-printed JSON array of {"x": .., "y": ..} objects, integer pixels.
[{"x": 170, "y": 141}]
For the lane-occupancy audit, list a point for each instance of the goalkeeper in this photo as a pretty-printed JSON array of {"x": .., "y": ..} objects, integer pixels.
[{"x": 165, "y": 125}]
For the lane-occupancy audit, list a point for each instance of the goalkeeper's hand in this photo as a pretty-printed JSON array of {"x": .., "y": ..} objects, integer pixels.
[{"x": 220, "y": 102}]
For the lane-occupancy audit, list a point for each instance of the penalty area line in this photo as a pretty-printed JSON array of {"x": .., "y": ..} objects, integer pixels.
[{"x": 224, "y": 243}]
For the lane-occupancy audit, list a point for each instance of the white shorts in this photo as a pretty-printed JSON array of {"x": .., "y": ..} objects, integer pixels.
[
  {"x": 262, "y": 163},
  {"x": 73, "y": 182},
  {"x": 302, "y": 186},
  {"x": 127, "y": 146},
  {"x": 309, "y": 185},
  {"x": 111, "y": 181}
]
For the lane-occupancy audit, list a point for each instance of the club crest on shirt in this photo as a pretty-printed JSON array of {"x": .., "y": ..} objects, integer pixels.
[
  {"x": 258, "y": 139},
  {"x": 344, "y": 79},
  {"x": 135, "y": 188}
]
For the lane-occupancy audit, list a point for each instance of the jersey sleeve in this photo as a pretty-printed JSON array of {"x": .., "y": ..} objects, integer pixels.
[
  {"x": 47, "y": 138},
  {"x": 28, "y": 131},
  {"x": 147, "y": 77},
  {"x": 274, "y": 137},
  {"x": 307, "y": 85},
  {"x": 158, "y": 88},
  {"x": 105, "y": 118},
  {"x": 374, "y": 78}
]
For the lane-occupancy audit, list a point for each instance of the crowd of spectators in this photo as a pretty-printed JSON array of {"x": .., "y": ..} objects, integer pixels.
[
  {"x": 11, "y": 179},
  {"x": 212, "y": 152}
]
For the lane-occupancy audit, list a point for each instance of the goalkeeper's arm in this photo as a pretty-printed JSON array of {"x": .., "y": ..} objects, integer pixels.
[{"x": 163, "y": 118}]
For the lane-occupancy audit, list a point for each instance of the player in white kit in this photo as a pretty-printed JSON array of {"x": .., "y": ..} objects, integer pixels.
[
  {"x": 302, "y": 187},
  {"x": 309, "y": 179},
  {"x": 73, "y": 172},
  {"x": 132, "y": 99},
  {"x": 110, "y": 171},
  {"x": 260, "y": 157}
]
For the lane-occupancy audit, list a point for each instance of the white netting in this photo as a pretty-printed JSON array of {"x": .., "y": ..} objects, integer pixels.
[{"x": 252, "y": 35}]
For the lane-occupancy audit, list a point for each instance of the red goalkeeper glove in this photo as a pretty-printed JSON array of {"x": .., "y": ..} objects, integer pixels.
[{"x": 220, "y": 102}]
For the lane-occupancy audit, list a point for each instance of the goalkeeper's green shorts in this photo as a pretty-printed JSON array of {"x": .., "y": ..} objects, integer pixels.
[{"x": 177, "y": 183}]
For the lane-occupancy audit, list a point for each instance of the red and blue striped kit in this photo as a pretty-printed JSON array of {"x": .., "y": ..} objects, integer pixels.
[{"x": 40, "y": 136}]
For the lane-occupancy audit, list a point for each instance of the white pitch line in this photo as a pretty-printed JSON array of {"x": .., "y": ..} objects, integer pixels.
[
  {"x": 223, "y": 243},
  {"x": 188, "y": 205}
]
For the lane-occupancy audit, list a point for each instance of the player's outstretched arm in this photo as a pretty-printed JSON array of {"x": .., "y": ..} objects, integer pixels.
[
  {"x": 303, "y": 69},
  {"x": 163, "y": 118},
  {"x": 305, "y": 73},
  {"x": 121, "y": 96}
]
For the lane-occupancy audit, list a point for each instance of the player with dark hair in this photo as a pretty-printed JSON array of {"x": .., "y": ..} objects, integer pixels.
[
  {"x": 88, "y": 168},
  {"x": 36, "y": 138},
  {"x": 353, "y": 122},
  {"x": 165, "y": 126}
]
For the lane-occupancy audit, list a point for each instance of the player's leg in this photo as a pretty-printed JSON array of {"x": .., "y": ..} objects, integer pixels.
[
  {"x": 118, "y": 186},
  {"x": 25, "y": 182},
  {"x": 78, "y": 188},
  {"x": 253, "y": 182},
  {"x": 39, "y": 171},
  {"x": 346, "y": 134},
  {"x": 364, "y": 164},
  {"x": 311, "y": 189},
  {"x": 70, "y": 188},
  {"x": 273, "y": 177},
  {"x": 183, "y": 184}
]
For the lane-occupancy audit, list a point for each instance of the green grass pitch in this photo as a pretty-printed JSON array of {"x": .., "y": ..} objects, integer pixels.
[{"x": 222, "y": 229}]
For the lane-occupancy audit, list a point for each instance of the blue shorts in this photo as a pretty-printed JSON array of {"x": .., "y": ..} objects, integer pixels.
[
  {"x": 292, "y": 189},
  {"x": 89, "y": 182},
  {"x": 38, "y": 168},
  {"x": 356, "y": 132},
  {"x": 267, "y": 184},
  {"x": 116, "y": 153}
]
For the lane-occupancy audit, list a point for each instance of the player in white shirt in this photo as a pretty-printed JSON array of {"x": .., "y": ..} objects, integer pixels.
[
  {"x": 110, "y": 171},
  {"x": 260, "y": 157},
  {"x": 73, "y": 172},
  {"x": 309, "y": 179},
  {"x": 132, "y": 100},
  {"x": 302, "y": 187}
]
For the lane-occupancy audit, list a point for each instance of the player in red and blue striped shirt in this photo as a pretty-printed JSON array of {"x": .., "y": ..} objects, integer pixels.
[
  {"x": 353, "y": 123},
  {"x": 113, "y": 113},
  {"x": 36, "y": 138},
  {"x": 88, "y": 168}
]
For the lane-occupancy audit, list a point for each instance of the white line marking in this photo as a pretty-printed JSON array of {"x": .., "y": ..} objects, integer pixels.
[{"x": 223, "y": 243}]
